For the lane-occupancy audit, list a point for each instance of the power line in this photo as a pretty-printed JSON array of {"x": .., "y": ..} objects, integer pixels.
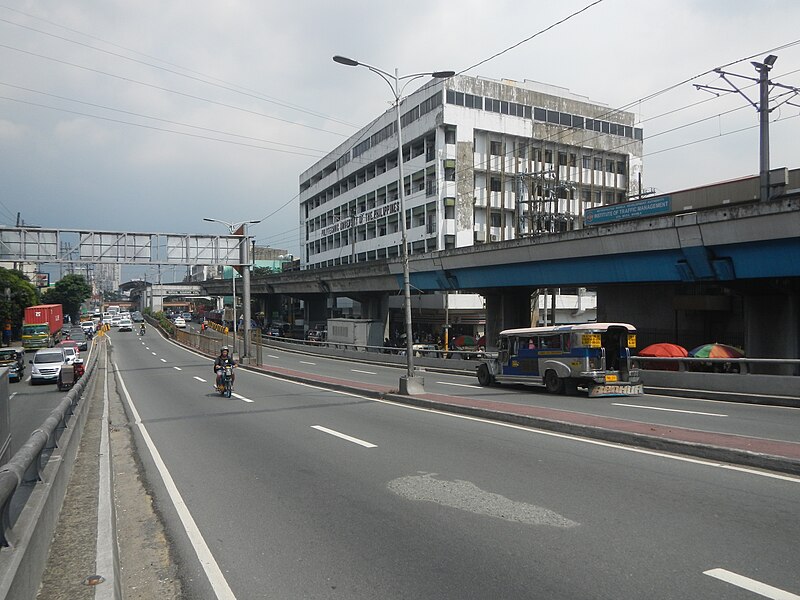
[
  {"x": 528, "y": 39},
  {"x": 154, "y": 128},
  {"x": 207, "y": 81},
  {"x": 171, "y": 91},
  {"x": 135, "y": 114}
]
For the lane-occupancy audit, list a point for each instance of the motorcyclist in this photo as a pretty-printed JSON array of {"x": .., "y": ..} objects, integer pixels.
[
  {"x": 224, "y": 359},
  {"x": 142, "y": 329}
]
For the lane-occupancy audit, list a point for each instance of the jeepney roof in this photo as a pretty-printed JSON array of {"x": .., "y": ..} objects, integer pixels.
[{"x": 565, "y": 328}]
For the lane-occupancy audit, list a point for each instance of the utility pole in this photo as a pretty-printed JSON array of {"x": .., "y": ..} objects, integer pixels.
[{"x": 765, "y": 86}]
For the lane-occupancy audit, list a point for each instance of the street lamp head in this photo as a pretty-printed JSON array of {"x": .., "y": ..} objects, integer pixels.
[
  {"x": 343, "y": 60},
  {"x": 443, "y": 74},
  {"x": 770, "y": 60}
]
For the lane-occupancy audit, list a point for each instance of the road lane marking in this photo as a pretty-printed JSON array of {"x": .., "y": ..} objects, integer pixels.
[
  {"x": 688, "y": 412},
  {"x": 214, "y": 574},
  {"x": 272, "y": 356},
  {"x": 751, "y": 585},
  {"x": 235, "y": 395},
  {"x": 466, "y": 385},
  {"x": 163, "y": 360},
  {"x": 200, "y": 379},
  {"x": 343, "y": 436},
  {"x": 154, "y": 354},
  {"x": 305, "y": 362},
  {"x": 177, "y": 368},
  {"x": 365, "y": 372},
  {"x": 12, "y": 395}
]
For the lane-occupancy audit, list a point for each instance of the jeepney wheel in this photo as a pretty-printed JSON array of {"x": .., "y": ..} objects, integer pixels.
[
  {"x": 484, "y": 377},
  {"x": 553, "y": 383}
]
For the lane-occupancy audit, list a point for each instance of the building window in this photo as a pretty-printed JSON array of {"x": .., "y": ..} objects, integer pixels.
[
  {"x": 449, "y": 170},
  {"x": 562, "y": 158},
  {"x": 548, "y": 156},
  {"x": 494, "y": 184},
  {"x": 495, "y": 148},
  {"x": 450, "y": 135},
  {"x": 598, "y": 164},
  {"x": 553, "y": 116},
  {"x": 496, "y": 219},
  {"x": 539, "y": 114},
  {"x": 610, "y": 166},
  {"x": 621, "y": 167}
]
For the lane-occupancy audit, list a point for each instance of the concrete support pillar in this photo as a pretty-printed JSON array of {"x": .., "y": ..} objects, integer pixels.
[
  {"x": 772, "y": 330},
  {"x": 506, "y": 310}
]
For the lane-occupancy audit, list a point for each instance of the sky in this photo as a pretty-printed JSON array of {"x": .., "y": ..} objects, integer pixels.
[{"x": 150, "y": 116}]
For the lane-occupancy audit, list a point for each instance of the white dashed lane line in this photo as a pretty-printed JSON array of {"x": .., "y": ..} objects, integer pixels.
[
  {"x": 177, "y": 368},
  {"x": 688, "y": 412},
  {"x": 343, "y": 436},
  {"x": 305, "y": 362},
  {"x": 200, "y": 379},
  {"x": 365, "y": 372},
  {"x": 466, "y": 385},
  {"x": 164, "y": 360},
  {"x": 242, "y": 398},
  {"x": 751, "y": 585}
]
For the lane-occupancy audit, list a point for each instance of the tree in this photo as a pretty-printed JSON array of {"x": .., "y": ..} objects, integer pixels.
[
  {"x": 16, "y": 293},
  {"x": 70, "y": 291}
]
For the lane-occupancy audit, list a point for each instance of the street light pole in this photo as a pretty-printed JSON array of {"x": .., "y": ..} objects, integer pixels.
[
  {"x": 244, "y": 259},
  {"x": 409, "y": 384}
]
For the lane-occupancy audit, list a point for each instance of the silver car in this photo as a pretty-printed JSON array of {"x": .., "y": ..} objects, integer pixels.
[{"x": 46, "y": 365}]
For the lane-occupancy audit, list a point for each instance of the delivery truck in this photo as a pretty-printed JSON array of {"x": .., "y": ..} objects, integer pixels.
[{"x": 41, "y": 326}]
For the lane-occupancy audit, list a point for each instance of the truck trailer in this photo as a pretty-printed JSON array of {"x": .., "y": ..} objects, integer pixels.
[{"x": 41, "y": 326}]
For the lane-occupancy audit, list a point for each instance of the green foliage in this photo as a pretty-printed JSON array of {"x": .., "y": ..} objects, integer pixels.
[
  {"x": 70, "y": 291},
  {"x": 16, "y": 293},
  {"x": 164, "y": 322}
]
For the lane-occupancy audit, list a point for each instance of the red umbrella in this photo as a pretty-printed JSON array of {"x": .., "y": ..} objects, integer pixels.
[
  {"x": 666, "y": 350},
  {"x": 464, "y": 340}
]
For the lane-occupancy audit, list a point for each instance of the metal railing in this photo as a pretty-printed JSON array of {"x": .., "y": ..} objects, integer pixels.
[
  {"x": 742, "y": 366},
  {"x": 27, "y": 465}
]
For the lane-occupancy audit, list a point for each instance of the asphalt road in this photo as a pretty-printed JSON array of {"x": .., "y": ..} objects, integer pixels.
[
  {"x": 766, "y": 422},
  {"x": 300, "y": 492}
]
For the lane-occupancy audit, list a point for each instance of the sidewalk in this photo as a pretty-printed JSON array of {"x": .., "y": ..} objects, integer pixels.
[{"x": 741, "y": 450}]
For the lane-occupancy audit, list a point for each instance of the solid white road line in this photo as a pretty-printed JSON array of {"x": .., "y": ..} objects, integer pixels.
[
  {"x": 235, "y": 395},
  {"x": 466, "y": 385},
  {"x": 200, "y": 379},
  {"x": 365, "y": 372},
  {"x": 177, "y": 368},
  {"x": 343, "y": 436},
  {"x": 215, "y": 577},
  {"x": 751, "y": 585},
  {"x": 688, "y": 412}
]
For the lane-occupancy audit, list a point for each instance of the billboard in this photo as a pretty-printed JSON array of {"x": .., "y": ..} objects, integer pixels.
[{"x": 41, "y": 280}]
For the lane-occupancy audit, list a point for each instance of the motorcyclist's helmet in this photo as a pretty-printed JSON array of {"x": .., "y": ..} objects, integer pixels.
[{"x": 224, "y": 349}]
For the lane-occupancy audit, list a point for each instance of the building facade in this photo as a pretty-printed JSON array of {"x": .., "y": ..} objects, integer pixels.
[{"x": 483, "y": 161}]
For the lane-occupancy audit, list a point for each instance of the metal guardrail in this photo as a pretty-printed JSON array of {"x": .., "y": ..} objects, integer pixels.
[
  {"x": 742, "y": 366},
  {"x": 27, "y": 465}
]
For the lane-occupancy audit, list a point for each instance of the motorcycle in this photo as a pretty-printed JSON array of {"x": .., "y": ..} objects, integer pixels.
[
  {"x": 225, "y": 386},
  {"x": 141, "y": 331}
]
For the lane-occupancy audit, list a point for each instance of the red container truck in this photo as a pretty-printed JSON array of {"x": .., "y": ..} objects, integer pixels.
[{"x": 41, "y": 327}]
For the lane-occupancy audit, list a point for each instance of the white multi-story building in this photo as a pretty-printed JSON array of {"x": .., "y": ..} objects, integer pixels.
[{"x": 483, "y": 161}]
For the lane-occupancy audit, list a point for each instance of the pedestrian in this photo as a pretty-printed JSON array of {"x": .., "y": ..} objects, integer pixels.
[{"x": 7, "y": 333}]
